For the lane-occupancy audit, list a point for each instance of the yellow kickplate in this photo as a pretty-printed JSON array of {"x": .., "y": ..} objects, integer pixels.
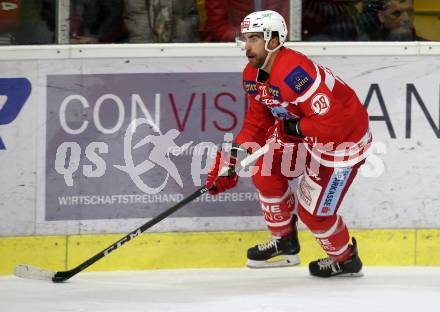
[
  {"x": 166, "y": 250},
  {"x": 428, "y": 247},
  {"x": 206, "y": 249},
  {"x": 48, "y": 252},
  {"x": 386, "y": 247}
]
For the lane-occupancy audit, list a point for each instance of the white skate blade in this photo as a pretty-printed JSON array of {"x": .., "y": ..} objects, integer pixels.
[
  {"x": 32, "y": 272},
  {"x": 277, "y": 262}
]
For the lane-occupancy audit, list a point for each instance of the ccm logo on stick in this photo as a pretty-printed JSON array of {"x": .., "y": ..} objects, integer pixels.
[{"x": 13, "y": 94}]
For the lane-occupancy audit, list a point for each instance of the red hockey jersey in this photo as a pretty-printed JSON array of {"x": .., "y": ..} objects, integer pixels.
[{"x": 333, "y": 120}]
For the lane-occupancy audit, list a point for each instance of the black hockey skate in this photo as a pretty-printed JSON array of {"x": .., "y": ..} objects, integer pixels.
[
  {"x": 327, "y": 267},
  {"x": 277, "y": 252}
]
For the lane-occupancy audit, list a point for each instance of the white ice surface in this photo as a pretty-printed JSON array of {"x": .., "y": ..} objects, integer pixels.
[{"x": 415, "y": 289}]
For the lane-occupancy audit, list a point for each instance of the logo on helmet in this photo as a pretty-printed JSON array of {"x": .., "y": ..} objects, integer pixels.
[{"x": 245, "y": 25}]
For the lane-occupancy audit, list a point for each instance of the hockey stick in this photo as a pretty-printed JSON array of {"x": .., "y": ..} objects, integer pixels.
[{"x": 32, "y": 272}]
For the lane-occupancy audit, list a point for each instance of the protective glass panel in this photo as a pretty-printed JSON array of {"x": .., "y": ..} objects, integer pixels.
[{"x": 179, "y": 21}]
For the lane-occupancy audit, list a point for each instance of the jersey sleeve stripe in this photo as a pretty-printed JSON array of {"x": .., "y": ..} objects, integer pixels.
[
  {"x": 329, "y": 80},
  {"x": 311, "y": 90}
]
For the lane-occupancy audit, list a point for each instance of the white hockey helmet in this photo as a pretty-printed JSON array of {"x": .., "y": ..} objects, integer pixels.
[{"x": 266, "y": 22}]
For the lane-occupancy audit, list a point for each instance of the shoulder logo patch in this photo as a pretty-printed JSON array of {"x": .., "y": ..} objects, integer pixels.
[{"x": 298, "y": 80}]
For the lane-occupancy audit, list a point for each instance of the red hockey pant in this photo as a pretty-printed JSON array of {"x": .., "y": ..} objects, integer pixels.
[{"x": 320, "y": 191}]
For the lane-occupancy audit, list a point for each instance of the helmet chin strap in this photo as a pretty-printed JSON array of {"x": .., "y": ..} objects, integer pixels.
[
  {"x": 266, "y": 60},
  {"x": 266, "y": 47}
]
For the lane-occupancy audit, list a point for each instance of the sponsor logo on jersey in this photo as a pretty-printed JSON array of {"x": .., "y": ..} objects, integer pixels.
[
  {"x": 320, "y": 104},
  {"x": 275, "y": 92},
  {"x": 308, "y": 193},
  {"x": 298, "y": 80},
  {"x": 304, "y": 192},
  {"x": 333, "y": 191},
  {"x": 250, "y": 86}
]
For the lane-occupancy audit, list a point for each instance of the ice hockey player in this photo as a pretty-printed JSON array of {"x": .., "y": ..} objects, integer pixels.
[{"x": 303, "y": 109}]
